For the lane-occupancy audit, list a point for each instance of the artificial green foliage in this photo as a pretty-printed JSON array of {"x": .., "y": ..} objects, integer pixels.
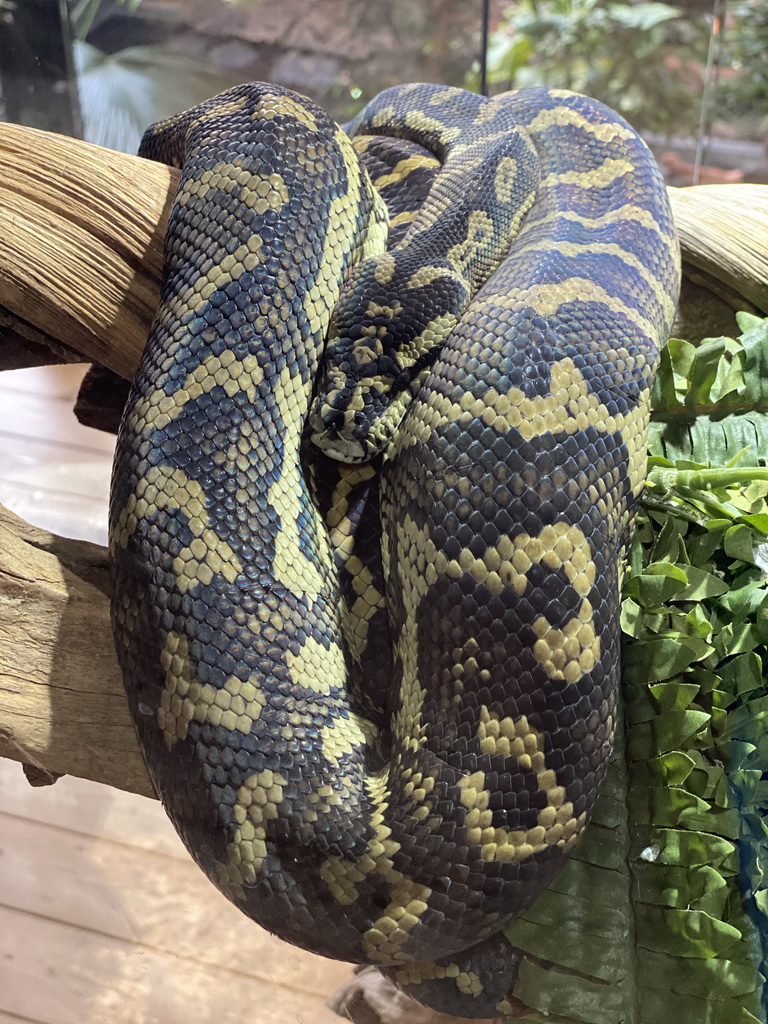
[
  {"x": 661, "y": 917},
  {"x": 711, "y": 400}
]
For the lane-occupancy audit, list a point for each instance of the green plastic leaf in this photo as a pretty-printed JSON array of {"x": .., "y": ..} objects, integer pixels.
[
  {"x": 673, "y": 696},
  {"x": 659, "y": 583},
  {"x": 701, "y": 585},
  {"x": 666, "y": 732},
  {"x": 744, "y": 673},
  {"x": 665, "y": 392},
  {"x": 703, "y": 372},
  {"x": 758, "y": 522},
  {"x": 673, "y": 768},
  {"x": 745, "y": 596},
  {"x": 710, "y": 401},
  {"x": 755, "y": 342},
  {"x": 684, "y": 932},
  {"x": 631, "y": 617},
  {"x": 708, "y": 438},
  {"x": 678, "y": 888},
  {"x": 663, "y": 657},
  {"x": 740, "y": 542},
  {"x": 677, "y": 846},
  {"x": 724, "y": 977},
  {"x": 550, "y": 993}
]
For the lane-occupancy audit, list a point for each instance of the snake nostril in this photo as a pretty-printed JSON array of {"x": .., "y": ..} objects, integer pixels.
[{"x": 333, "y": 419}]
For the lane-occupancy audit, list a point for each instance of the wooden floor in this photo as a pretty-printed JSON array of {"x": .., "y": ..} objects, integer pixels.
[{"x": 104, "y": 919}]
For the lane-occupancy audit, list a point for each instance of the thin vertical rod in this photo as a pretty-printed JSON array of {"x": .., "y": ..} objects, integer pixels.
[
  {"x": 484, "y": 49},
  {"x": 711, "y": 76}
]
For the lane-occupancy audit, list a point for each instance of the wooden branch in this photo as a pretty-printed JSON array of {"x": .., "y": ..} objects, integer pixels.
[
  {"x": 62, "y": 705},
  {"x": 22, "y": 345},
  {"x": 724, "y": 233},
  {"x": 81, "y": 233}
]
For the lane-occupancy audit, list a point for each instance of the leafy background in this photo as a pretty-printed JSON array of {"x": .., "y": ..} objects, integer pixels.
[{"x": 645, "y": 59}]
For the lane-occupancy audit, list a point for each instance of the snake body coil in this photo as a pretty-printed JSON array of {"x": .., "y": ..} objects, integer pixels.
[{"x": 382, "y": 741}]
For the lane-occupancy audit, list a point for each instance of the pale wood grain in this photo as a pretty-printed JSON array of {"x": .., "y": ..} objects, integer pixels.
[
  {"x": 62, "y": 704},
  {"x": 56, "y": 973},
  {"x": 91, "y": 810},
  {"x": 92, "y": 873},
  {"x": 81, "y": 231},
  {"x": 724, "y": 231},
  {"x": 128, "y": 894}
]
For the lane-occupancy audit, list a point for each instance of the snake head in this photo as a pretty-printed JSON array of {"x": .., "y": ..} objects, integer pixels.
[{"x": 385, "y": 333}]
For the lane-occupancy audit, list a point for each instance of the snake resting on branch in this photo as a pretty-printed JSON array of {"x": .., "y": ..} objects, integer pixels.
[{"x": 371, "y": 494}]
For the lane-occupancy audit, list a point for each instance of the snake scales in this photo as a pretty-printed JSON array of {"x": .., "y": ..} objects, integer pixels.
[{"x": 377, "y": 700}]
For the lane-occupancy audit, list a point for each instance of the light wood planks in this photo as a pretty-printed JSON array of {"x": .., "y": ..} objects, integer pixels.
[{"x": 104, "y": 918}]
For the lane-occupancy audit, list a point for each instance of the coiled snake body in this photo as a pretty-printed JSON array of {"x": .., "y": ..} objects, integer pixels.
[{"x": 377, "y": 700}]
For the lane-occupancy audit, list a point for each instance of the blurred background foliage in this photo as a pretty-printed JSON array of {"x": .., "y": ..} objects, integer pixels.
[
  {"x": 645, "y": 59},
  {"x": 745, "y": 96},
  {"x": 625, "y": 54}
]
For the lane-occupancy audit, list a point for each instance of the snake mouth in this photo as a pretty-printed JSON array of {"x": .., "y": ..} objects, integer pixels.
[{"x": 339, "y": 448}]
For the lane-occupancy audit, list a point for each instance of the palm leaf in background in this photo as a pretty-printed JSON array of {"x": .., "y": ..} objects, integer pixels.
[{"x": 122, "y": 93}]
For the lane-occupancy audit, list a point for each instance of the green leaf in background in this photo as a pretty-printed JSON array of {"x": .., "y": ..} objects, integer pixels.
[
  {"x": 122, "y": 93},
  {"x": 710, "y": 401},
  {"x": 617, "y": 51},
  {"x": 755, "y": 343}
]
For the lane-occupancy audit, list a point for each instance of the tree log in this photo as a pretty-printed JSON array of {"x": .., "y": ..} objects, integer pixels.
[
  {"x": 724, "y": 234},
  {"x": 81, "y": 232},
  {"x": 62, "y": 705},
  {"x": 81, "y": 242}
]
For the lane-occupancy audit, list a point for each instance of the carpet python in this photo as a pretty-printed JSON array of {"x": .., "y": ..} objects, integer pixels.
[{"x": 377, "y": 698}]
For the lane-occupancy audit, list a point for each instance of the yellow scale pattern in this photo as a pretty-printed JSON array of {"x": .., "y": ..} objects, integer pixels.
[{"x": 506, "y": 494}]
